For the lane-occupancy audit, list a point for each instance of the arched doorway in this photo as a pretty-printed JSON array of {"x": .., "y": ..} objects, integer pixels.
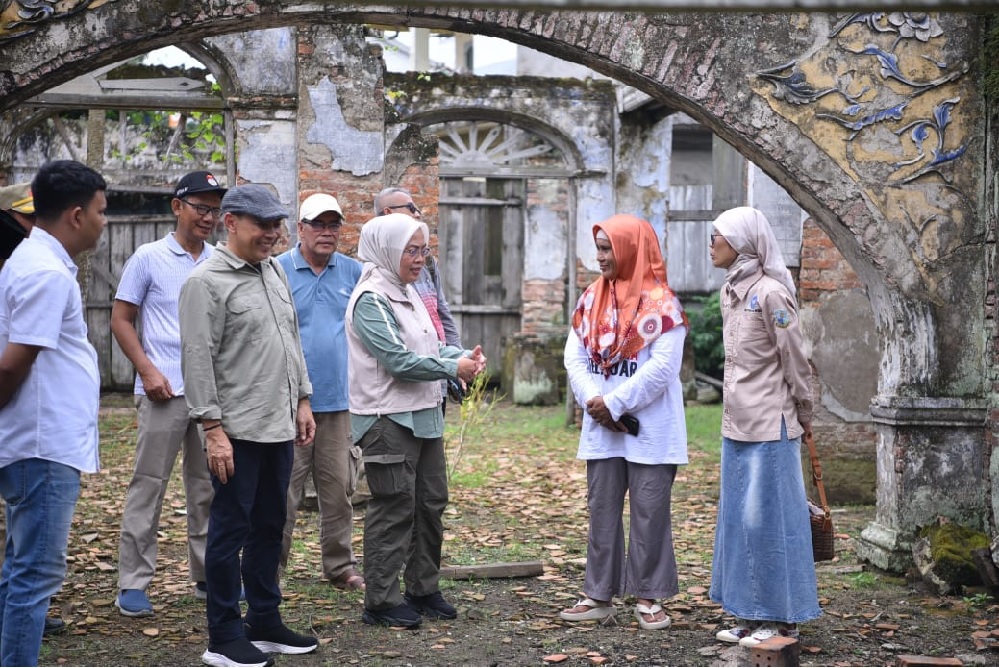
[{"x": 488, "y": 173}]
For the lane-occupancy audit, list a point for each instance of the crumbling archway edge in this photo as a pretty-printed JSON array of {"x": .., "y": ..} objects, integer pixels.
[{"x": 922, "y": 278}]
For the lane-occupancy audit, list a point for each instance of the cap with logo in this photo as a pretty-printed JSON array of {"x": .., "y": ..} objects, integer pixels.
[
  {"x": 318, "y": 204},
  {"x": 254, "y": 200},
  {"x": 198, "y": 182},
  {"x": 17, "y": 198}
]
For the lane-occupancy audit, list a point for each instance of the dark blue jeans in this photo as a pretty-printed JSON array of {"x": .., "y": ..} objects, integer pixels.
[{"x": 247, "y": 515}]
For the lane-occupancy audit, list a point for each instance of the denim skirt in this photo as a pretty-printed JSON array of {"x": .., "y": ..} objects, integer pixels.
[{"x": 762, "y": 567}]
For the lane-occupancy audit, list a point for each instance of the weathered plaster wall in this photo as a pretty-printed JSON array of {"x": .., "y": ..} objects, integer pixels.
[
  {"x": 341, "y": 129},
  {"x": 264, "y": 108},
  {"x": 643, "y": 169}
]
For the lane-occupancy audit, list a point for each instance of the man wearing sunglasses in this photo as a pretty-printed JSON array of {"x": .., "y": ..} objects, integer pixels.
[
  {"x": 150, "y": 285},
  {"x": 429, "y": 285},
  {"x": 321, "y": 282}
]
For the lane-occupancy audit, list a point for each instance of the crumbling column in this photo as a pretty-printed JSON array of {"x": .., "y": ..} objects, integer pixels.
[{"x": 931, "y": 462}]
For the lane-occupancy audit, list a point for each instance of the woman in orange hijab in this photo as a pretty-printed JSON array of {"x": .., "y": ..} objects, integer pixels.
[{"x": 623, "y": 357}]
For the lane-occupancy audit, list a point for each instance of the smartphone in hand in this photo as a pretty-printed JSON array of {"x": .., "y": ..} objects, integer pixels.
[{"x": 631, "y": 424}]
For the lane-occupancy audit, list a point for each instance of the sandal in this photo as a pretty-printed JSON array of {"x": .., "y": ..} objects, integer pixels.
[
  {"x": 349, "y": 581},
  {"x": 654, "y": 609},
  {"x": 595, "y": 611}
]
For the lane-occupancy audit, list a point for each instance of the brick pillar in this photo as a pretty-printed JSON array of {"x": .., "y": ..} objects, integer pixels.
[{"x": 341, "y": 122}]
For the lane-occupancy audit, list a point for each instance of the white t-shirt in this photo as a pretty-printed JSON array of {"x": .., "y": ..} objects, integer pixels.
[
  {"x": 53, "y": 414},
  {"x": 152, "y": 279},
  {"x": 647, "y": 388}
]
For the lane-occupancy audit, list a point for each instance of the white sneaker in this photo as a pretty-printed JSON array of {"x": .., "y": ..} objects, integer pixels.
[
  {"x": 733, "y": 635},
  {"x": 765, "y": 633}
]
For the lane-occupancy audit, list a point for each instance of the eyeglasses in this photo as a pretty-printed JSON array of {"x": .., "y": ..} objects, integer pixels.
[
  {"x": 713, "y": 237},
  {"x": 321, "y": 226},
  {"x": 203, "y": 209},
  {"x": 408, "y": 205},
  {"x": 413, "y": 251}
]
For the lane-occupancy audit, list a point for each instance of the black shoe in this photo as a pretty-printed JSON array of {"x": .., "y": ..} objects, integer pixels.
[
  {"x": 238, "y": 652},
  {"x": 401, "y": 615},
  {"x": 432, "y": 605},
  {"x": 280, "y": 640},
  {"x": 53, "y": 625}
]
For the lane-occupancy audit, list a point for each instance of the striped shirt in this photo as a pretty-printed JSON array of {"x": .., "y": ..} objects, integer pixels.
[{"x": 151, "y": 280}]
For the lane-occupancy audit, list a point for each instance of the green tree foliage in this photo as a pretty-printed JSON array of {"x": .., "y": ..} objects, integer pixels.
[
  {"x": 198, "y": 137},
  {"x": 705, "y": 318}
]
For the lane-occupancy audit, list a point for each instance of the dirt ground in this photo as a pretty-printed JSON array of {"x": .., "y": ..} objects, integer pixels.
[
  {"x": 868, "y": 621},
  {"x": 870, "y": 617}
]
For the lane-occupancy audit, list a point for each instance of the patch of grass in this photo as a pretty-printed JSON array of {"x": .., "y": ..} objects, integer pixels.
[
  {"x": 508, "y": 552},
  {"x": 704, "y": 430},
  {"x": 117, "y": 430},
  {"x": 865, "y": 580},
  {"x": 473, "y": 479}
]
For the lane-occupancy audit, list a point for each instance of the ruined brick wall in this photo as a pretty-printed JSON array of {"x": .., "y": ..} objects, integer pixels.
[
  {"x": 845, "y": 435},
  {"x": 340, "y": 122},
  {"x": 823, "y": 268},
  {"x": 544, "y": 306}
]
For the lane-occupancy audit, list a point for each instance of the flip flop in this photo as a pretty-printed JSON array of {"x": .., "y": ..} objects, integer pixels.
[
  {"x": 350, "y": 581},
  {"x": 642, "y": 609},
  {"x": 597, "y": 611}
]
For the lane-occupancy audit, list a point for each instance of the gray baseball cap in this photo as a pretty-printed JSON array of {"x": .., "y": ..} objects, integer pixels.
[{"x": 255, "y": 200}]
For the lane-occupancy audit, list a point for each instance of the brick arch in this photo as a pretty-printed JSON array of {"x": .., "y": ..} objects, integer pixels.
[
  {"x": 701, "y": 64},
  {"x": 784, "y": 90}
]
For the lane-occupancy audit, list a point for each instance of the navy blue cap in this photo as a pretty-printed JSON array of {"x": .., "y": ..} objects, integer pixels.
[{"x": 198, "y": 182}]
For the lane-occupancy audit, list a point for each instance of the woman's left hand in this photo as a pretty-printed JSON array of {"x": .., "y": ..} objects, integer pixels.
[{"x": 597, "y": 409}]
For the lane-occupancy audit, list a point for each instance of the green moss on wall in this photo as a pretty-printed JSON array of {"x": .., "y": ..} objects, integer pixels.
[{"x": 951, "y": 546}]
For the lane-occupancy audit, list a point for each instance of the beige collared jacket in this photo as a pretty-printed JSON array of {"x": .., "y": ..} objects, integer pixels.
[{"x": 767, "y": 375}]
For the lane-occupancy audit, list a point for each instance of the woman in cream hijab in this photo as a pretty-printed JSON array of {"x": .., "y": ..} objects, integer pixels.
[
  {"x": 395, "y": 363},
  {"x": 762, "y": 573}
]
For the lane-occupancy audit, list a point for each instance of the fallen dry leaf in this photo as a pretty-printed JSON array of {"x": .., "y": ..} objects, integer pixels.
[{"x": 555, "y": 658}]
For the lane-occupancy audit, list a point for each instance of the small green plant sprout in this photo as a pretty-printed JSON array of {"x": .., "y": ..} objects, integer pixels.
[
  {"x": 980, "y": 600},
  {"x": 395, "y": 95},
  {"x": 475, "y": 407}
]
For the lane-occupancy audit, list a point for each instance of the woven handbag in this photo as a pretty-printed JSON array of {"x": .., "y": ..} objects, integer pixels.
[{"x": 819, "y": 515}]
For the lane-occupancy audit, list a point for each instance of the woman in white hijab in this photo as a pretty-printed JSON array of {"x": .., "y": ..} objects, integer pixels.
[
  {"x": 762, "y": 572},
  {"x": 395, "y": 363}
]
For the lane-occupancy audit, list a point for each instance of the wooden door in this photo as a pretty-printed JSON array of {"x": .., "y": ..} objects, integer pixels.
[{"x": 482, "y": 260}]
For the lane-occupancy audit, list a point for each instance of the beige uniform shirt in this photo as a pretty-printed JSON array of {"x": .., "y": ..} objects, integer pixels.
[
  {"x": 767, "y": 376},
  {"x": 242, "y": 358}
]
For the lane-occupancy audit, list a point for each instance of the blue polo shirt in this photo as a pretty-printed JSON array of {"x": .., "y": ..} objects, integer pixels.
[{"x": 321, "y": 302}]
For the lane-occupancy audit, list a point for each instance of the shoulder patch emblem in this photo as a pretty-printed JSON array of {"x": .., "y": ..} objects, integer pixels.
[{"x": 781, "y": 318}]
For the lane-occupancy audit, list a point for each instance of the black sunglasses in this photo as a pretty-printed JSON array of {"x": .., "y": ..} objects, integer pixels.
[{"x": 408, "y": 205}]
